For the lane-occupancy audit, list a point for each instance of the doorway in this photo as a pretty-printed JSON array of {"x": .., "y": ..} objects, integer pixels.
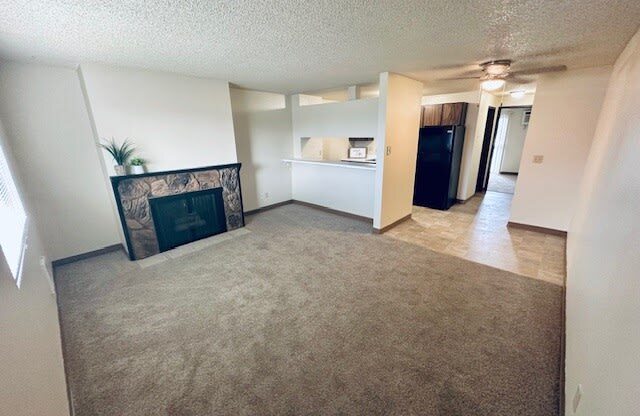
[
  {"x": 481, "y": 183},
  {"x": 503, "y": 153}
]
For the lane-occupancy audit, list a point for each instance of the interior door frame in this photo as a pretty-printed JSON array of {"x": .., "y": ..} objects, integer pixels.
[
  {"x": 493, "y": 144},
  {"x": 485, "y": 156}
]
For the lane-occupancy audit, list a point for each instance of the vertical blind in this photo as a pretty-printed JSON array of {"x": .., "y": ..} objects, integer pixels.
[{"x": 12, "y": 219}]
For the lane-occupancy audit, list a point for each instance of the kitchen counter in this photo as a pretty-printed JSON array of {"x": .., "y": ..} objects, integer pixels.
[
  {"x": 338, "y": 163},
  {"x": 343, "y": 186}
]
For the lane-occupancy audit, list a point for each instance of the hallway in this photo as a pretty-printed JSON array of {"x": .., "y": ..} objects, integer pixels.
[{"x": 502, "y": 182}]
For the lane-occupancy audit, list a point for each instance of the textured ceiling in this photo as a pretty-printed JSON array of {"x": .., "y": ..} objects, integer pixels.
[{"x": 291, "y": 46}]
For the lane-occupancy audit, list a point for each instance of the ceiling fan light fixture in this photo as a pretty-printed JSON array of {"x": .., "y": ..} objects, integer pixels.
[
  {"x": 492, "y": 84},
  {"x": 499, "y": 67},
  {"x": 517, "y": 94}
]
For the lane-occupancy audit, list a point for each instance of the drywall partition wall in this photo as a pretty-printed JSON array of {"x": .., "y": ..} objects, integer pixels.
[
  {"x": 514, "y": 139},
  {"x": 262, "y": 124},
  {"x": 175, "y": 121},
  {"x": 563, "y": 120},
  {"x": 510, "y": 101},
  {"x": 456, "y": 97},
  {"x": 603, "y": 284},
  {"x": 473, "y": 145},
  {"x": 355, "y": 118},
  {"x": 343, "y": 188},
  {"x": 335, "y": 187},
  {"x": 33, "y": 381},
  {"x": 49, "y": 131},
  {"x": 397, "y": 146}
]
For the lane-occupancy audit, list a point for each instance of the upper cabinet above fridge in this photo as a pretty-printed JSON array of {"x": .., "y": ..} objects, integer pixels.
[{"x": 449, "y": 114}]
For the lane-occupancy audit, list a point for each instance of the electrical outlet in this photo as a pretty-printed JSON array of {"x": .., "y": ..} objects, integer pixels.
[
  {"x": 388, "y": 150},
  {"x": 538, "y": 159},
  {"x": 576, "y": 398},
  {"x": 266, "y": 195}
]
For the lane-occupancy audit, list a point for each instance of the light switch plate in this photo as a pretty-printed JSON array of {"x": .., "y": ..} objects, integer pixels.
[
  {"x": 388, "y": 150},
  {"x": 538, "y": 158}
]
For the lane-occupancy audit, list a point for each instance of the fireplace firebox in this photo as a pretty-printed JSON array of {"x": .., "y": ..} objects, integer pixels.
[
  {"x": 183, "y": 218},
  {"x": 192, "y": 215}
]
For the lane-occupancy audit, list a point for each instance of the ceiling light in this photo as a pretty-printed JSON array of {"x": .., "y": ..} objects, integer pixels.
[
  {"x": 492, "y": 84},
  {"x": 496, "y": 67},
  {"x": 517, "y": 94}
]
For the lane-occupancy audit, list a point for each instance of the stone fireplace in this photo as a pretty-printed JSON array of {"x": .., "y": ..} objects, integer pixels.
[{"x": 208, "y": 214}]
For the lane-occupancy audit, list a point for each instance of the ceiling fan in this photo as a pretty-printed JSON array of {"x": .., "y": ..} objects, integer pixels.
[{"x": 495, "y": 73}]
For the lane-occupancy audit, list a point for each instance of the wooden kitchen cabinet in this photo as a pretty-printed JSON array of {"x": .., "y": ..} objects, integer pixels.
[
  {"x": 453, "y": 114},
  {"x": 449, "y": 114},
  {"x": 431, "y": 115}
]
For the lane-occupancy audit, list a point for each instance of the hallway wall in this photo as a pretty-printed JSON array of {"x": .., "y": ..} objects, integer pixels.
[
  {"x": 563, "y": 121},
  {"x": 397, "y": 147},
  {"x": 514, "y": 140},
  {"x": 603, "y": 285},
  {"x": 32, "y": 378}
]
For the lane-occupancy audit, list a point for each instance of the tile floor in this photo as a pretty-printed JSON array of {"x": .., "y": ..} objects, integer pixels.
[{"x": 477, "y": 231}]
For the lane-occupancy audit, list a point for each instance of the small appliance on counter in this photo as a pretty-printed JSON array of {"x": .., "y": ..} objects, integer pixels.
[{"x": 359, "y": 155}]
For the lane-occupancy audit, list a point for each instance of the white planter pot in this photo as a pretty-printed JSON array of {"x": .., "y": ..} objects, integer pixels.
[
  {"x": 136, "y": 170},
  {"x": 120, "y": 170}
]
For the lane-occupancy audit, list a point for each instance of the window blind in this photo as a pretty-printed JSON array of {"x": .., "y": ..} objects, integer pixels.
[{"x": 12, "y": 219}]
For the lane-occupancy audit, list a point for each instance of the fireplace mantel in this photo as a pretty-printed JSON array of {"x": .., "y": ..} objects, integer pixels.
[{"x": 132, "y": 193}]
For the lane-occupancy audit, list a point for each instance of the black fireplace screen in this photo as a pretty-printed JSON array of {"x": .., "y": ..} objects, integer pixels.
[{"x": 191, "y": 216}]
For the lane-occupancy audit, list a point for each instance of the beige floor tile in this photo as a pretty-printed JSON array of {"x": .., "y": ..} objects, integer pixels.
[{"x": 477, "y": 231}]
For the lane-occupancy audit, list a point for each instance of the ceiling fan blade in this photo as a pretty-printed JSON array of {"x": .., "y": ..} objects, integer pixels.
[
  {"x": 458, "y": 78},
  {"x": 519, "y": 80},
  {"x": 541, "y": 70}
]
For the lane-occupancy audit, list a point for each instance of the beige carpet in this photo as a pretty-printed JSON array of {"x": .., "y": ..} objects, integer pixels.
[{"x": 308, "y": 314}]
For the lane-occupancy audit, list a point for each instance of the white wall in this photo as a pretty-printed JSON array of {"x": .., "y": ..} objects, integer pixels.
[
  {"x": 175, "y": 121},
  {"x": 325, "y": 148},
  {"x": 603, "y": 284},
  {"x": 563, "y": 120},
  {"x": 472, "y": 150},
  {"x": 49, "y": 131},
  {"x": 456, "y": 97},
  {"x": 33, "y": 381},
  {"x": 514, "y": 140},
  {"x": 262, "y": 124},
  {"x": 398, "y": 126},
  {"x": 509, "y": 101},
  {"x": 347, "y": 189},
  {"x": 356, "y": 118}
]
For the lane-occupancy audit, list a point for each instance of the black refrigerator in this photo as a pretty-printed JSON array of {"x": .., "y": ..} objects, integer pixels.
[{"x": 438, "y": 166}]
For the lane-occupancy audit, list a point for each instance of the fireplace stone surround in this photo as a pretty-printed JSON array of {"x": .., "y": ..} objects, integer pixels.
[{"x": 132, "y": 193}]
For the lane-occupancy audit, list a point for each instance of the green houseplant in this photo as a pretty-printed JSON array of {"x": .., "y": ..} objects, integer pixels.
[
  {"x": 137, "y": 165},
  {"x": 120, "y": 153}
]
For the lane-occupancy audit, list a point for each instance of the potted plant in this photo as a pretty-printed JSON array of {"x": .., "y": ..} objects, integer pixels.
[
  {"x": 120, "y": 153},
  {"x": 137, "y": 165}
]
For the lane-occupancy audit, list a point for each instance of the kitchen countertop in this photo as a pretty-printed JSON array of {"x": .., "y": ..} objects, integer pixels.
[{"x": 338, "y": 163}]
